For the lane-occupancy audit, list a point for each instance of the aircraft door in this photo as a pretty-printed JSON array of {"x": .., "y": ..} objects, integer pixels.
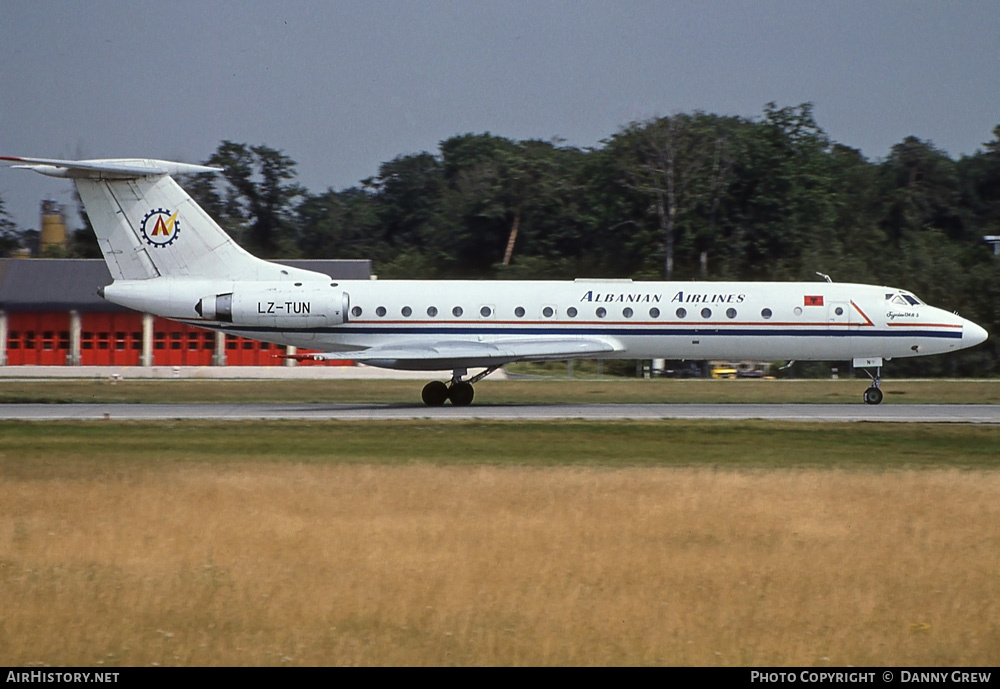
[
  {"x": 840, "y": 312},
  {"x": 839, "y": 317}
]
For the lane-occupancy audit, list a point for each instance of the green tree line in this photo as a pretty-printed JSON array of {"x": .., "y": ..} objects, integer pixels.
[{"x": 689, "y": 196}]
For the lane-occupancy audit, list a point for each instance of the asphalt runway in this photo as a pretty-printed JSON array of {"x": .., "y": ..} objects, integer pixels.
[{"x": 895, "y": 413}]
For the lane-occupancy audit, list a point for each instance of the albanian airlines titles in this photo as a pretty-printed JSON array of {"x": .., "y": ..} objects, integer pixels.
[{"x": 650, "y": 298}]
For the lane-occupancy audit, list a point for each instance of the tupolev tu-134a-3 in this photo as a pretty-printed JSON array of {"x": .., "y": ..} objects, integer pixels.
[{"x": 168, "y": 257}]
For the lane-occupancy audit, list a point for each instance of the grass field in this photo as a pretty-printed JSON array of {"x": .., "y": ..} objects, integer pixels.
[
  {"x": 415, "y": 543},
  {"x": 536, "y": 391}
]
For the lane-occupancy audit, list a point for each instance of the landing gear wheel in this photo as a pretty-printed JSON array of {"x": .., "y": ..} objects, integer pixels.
[
  {"x": 873, "y": 395},
  {"x": 461, "y": 394},
  {"x": 434, "y": 393}
]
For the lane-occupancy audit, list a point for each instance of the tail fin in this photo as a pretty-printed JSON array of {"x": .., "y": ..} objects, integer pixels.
[{"x": 148, "y": 227}]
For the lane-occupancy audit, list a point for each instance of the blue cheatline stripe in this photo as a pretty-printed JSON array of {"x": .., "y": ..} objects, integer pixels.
[{"x": 951, "y": 334}]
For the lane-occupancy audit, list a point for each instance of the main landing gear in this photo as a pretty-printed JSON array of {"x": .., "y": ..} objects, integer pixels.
[
  {"x": 873, "y": 395},
  {"x": 459, "y": 391}
]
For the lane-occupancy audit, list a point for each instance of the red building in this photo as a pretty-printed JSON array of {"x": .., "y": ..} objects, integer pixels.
[{"x": 51, "y": 315}]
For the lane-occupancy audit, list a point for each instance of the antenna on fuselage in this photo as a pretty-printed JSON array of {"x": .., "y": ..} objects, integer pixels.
[{"x": 824, "y": 276}]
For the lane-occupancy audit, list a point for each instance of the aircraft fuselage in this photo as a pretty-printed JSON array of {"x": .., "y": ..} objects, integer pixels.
[{"x": 674, "y": 320}]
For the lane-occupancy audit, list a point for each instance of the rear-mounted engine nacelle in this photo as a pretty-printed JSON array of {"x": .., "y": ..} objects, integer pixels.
[{"x": 279, "y": 306}]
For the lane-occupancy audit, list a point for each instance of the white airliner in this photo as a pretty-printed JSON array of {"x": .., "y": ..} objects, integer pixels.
[{"x": 167, "y": 257}]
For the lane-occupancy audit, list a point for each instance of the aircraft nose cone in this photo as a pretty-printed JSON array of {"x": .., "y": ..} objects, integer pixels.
[{"x": 973, "y": 334}]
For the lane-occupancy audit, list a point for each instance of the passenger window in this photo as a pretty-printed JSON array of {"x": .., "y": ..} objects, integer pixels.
[
  {"x": 765, "y": 313},
  {"x": 730, "y": 313},
  {"x": 682, "y": 312},
  {"x": 432, "y": 311},
  {"x": 486, "y": 312},
  {"x": 706, "y": 313},
  {"x": 519, "y": 312},
  {"x": 571, "y": 312},
  {"x": 380, "y": 311},
  {"x": 601, "y": 312},
  {"x": 356, "y": 312},
  {"x": 456, "y": 312},
  {"x": 548, "y": 312},
  {"x": 407, "y": 311},
  {"x": 654, "y": 312},
  {"x": 627, "y": 312}
]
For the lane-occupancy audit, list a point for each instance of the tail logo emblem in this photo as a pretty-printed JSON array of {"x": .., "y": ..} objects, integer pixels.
[{"x": 160, "y": 227}]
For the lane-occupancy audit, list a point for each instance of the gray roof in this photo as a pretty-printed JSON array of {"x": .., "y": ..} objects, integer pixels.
[
  {"x": 338, "y": 269},
  {"x": 64, "y": 284}
]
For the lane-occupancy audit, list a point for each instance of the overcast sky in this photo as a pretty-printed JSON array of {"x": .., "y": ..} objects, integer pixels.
[{"x": 341, "y": 87}]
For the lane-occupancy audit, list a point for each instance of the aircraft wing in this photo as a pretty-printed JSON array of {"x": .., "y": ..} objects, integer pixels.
[{"x": 450, "y": 354}]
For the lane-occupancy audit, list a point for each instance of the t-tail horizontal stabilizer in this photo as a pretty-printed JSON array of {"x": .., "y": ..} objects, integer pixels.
[{"x": 113, "y": 168}]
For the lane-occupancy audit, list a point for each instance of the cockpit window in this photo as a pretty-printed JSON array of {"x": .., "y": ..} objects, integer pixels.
[{"x": 902, "y": 299}]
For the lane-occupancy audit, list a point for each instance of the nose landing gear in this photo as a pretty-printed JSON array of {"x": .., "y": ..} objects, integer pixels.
[
  {"x": 873, "y": 395},
  {"x": 459, "y": 391}
]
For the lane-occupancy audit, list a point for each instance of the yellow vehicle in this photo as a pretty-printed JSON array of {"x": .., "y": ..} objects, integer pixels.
[{"x": 723, "y": 372}]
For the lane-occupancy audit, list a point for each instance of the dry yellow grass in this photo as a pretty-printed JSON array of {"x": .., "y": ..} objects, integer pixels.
[{"x": 424, "y": 565}]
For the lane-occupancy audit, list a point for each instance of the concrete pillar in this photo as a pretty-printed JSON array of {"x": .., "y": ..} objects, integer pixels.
[
  {"x": 219, "y": 356},
  {"x": 3, "y": 338},
  {"x": 146, "y": 359},
  {"x": 75, "y": 329}
]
